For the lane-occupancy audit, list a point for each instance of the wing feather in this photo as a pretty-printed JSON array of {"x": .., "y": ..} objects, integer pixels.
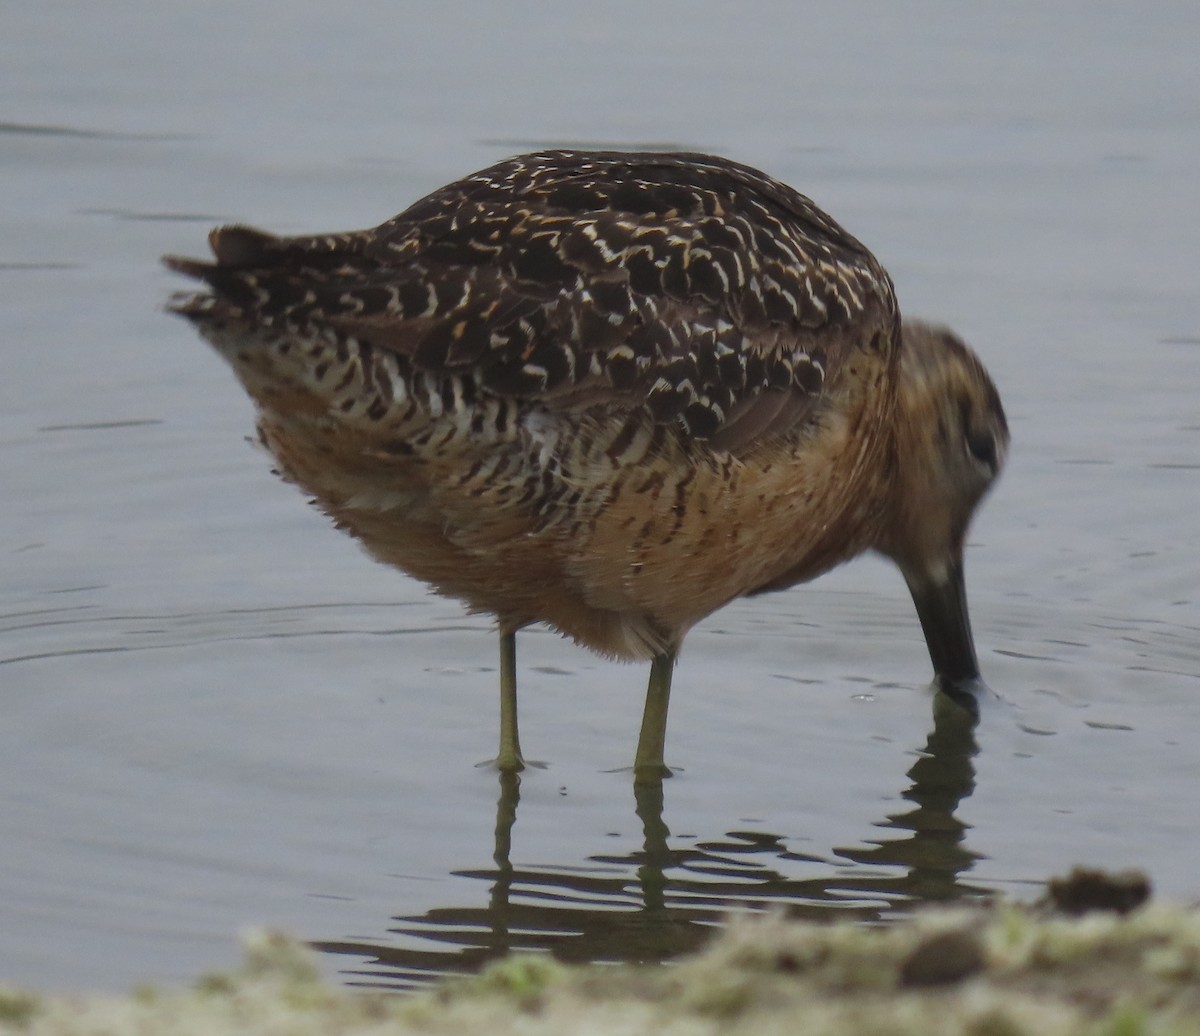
[{"x": 690, "y": 285}]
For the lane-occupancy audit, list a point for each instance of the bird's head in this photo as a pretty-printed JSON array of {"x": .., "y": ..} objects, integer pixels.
[{"x": 951, "y": 440}]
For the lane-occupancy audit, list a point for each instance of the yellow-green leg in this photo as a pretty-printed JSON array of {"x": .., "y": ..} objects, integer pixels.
[
  {"x": 648, "y": 764},
  {"x": 509, "y": 760}
]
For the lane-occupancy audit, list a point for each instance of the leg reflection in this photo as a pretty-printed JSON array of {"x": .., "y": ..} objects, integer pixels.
[
  {"x": 656, "y": 856},
  {"x": 655, "y": 902}
]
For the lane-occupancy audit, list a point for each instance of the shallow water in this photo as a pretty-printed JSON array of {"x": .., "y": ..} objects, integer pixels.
[{"x": 218, "y": 713}]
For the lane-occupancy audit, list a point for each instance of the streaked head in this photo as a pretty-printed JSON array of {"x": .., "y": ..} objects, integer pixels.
[{"x": 952, "y": 438}]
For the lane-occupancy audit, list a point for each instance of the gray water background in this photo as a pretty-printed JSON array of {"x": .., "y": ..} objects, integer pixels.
[{"x": 215, "y": 712}]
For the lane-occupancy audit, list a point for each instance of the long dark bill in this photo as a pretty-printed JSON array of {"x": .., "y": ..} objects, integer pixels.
[{"x": 942, "y": 608}]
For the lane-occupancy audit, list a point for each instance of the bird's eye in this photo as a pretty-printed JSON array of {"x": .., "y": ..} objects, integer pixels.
[{"x": 982, "y": 446}]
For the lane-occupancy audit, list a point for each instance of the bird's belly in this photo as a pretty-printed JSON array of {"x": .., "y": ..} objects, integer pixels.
[
  {"x": 545, "y": 525},
  {"x": 722, "y": 528}
]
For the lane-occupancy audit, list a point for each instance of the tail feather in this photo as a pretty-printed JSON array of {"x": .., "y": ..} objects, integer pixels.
[
  {"x": 240, "y": 249},
  {"x": 197, "y": 268}
]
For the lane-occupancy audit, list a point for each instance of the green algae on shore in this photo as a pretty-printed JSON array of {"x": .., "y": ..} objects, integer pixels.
[{"x": 1005, "y": 971}]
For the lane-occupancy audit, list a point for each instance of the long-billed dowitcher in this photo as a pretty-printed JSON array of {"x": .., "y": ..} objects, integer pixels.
[{"x": 611, "y": 392}]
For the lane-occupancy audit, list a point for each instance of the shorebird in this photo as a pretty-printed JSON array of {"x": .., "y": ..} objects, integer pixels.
[{"x": 611, "y": 392}]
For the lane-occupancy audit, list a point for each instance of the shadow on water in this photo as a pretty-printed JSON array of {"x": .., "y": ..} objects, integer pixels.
[{"x": 658, "y": 902}]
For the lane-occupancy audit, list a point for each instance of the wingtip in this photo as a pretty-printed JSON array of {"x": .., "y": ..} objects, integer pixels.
[
  {"x": 233, "y": 246},
  {"x": 240, "y": 245}
]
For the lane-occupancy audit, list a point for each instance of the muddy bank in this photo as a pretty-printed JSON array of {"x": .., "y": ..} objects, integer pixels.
[{"x": 999, "y": 971}]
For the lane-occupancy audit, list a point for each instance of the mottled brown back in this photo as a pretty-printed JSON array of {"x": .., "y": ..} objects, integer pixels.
[{"x": 699, "y": 288}]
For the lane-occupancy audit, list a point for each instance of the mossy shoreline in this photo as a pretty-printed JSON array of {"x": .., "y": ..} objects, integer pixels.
[{"x": 986, "y": 971}]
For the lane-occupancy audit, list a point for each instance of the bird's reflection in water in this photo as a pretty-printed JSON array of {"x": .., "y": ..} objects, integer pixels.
[
  {"x": 659, "y": 902},
  {"x": 927, "y": 852}
]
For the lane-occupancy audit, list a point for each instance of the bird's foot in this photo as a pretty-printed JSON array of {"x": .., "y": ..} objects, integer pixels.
[{"x": 514, "y": 763}]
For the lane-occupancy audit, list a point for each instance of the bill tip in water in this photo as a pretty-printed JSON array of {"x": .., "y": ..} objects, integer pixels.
[{"x": 969, "y": 693}]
